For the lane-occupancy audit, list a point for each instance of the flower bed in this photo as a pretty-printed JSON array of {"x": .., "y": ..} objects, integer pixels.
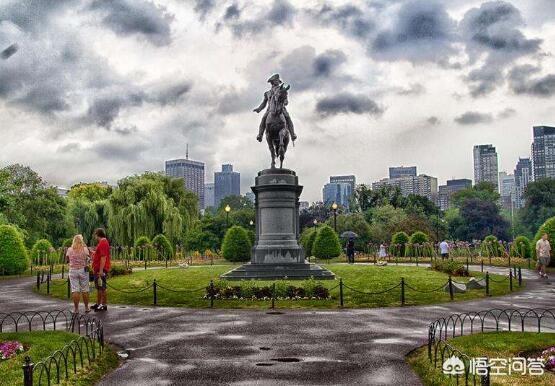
[
  {"x": 310, "y": 289},
  {"x": 548, "y": 357},
  {"x": 10, "y": 349}
]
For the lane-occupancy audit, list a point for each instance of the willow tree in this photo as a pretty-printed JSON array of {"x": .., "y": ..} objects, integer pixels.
[
  {"x": 148, "y": 205},
  {"x": 88, "y": 215}
]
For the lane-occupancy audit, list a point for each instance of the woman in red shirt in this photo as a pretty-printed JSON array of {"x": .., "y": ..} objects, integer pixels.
[{"x": 101, "y": 267}]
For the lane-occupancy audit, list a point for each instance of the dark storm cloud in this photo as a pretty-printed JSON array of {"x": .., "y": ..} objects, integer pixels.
[
  {"x": 507, "y": 113},
  {"x": 326, "y": 63},
  {"x": 433, "y": 121},
  {"x": 349, "y": 19},
  {"x": 136, "y": 17},
  {"x": 473, "y": 118},
  {"x": 522, "y": 81},
  {"x": 346, "y": 103},
  {"x": 232, "y": 12},
  {"x": 9, "y": 51},
  {"x": 280, "y": 13},
  {"x": 484, "y": 80},
  {"x": 170, "y": 94},
  {"x": 422, "y": 31},
  {"x": 29, "y": 15},
  {"x": 203, "y": 7},
  {"x": 104, "y": 110},
  {"x": 122, "y": 151}
]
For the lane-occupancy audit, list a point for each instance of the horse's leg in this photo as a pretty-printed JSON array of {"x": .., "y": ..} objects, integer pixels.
[{"x": 271, "y": 146}]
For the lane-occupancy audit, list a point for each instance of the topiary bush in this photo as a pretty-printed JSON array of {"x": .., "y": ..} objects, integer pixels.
[
  {"x": 398, "y": 244},
  {"x": 13, "y": 255},
  {"x": 491, "y": 248},
  {"x": 549, "y": 228},
  {"x": 418, "y": 245},
  {"x": 326, "y": 245},
  {"x": 236, "y": 245},
  {"x": 521, "y": 247},
  {"x": 307, "y": 240},
  {"x": 142, "y": 250},
  {"x": 450, "y": 267},
  {"x": 40, "y": 253},
  {"x": 163, "y": 246}
]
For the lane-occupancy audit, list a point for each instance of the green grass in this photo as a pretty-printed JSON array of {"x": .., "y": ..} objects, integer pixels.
[
  {"x": 367, "y": 278},
  {"x": 41, "y": 345},
  {"x": 493, "y": 345}
]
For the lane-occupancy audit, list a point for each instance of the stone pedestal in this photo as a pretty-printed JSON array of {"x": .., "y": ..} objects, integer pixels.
[{"x": 276, "y": 253}]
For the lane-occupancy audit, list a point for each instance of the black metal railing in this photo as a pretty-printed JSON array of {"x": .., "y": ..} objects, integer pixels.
[
  {"x": 60, "y": 364},
  {"x": 512, "y": 320}
]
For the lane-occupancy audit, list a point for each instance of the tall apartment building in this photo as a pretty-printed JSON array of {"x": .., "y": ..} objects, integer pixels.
[
  {"x": 451, "y": 187},
  {"x": 402, "y": 171},
  {"x": 507, "y": 190},
  {"x": 209, "y": 195},
  {"x": 485, "y": 165},
  {"x": 226, "y": 183},
  {"x": 338, "y": 192},
  {"x": 192, "y": 173},
  {"x": 422, "y": 185},
  {"x": 523, "y": 176},
  {"x": 348, "y": 179},
  {"x": 543, "y": 152}
]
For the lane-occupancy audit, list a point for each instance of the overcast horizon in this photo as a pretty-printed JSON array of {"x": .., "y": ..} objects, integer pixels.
[{"x": 98, "y": 90}]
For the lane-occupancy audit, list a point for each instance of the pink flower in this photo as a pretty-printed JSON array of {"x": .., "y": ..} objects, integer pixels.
[{"x": 9, "y": 349}]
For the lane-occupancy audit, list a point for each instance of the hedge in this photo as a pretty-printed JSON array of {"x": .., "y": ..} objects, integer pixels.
[
  {"x": 424, "y": 250},
  {"x": 549, "y": 228},
  {"x": 398, "y": 244},
  {"x": 13, "y": 255},
  {"x": 307, "y": 240},
  {"x": 521, "y": 247},
  {"x": 41, "y": 251},
  {"x": 491, "y": 247},
  {"x": 236, "y": 245},
  {"x": 326, "y": 245},
  {"x": 163, "y": 246}
]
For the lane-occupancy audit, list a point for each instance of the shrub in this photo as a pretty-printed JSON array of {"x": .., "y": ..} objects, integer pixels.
[
  {"x": 142, "y": 241},
  {"x": 67, "y": 243},
  {"x": 450, "y": 267},
  {"x": 40, "y": 253},
  {"x": 309, "y": 289},
  {"x": 423, "y": 249},
  {"x": 398, "y": 244},
  {"x": 549, "y": 228},
  {"x": 142, "y": 251},
  {"x": 119, "y": 270},
  {"x": 236, "y": 245},
  {"x": 163, "y": 246},
  {"x": 521, "y": 247},
  {"x": 491, "y": 247},
  {"x": 13, "y": 255},
  {"x": 307, "y": 240},
  {"x": 326, "y": 245}
]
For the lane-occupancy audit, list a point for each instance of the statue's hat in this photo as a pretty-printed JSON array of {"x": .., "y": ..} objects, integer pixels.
[{"x": 274, "y": 77}]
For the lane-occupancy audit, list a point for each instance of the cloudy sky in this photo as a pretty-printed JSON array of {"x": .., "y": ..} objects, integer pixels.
[{"x": 100, "y": 89}]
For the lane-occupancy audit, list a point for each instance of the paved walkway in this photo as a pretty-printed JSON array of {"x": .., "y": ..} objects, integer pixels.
[{"x": 177, "y": 346}]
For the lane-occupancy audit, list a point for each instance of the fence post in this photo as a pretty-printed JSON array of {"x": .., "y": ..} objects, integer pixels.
[
  {"x": 48, "y": 284},
  {"x": 487, "y": 283},
  {"x": 467, "y": 269},
  {"x": 68, "y": 288},
  {"x": 31, "y": 266},
  {"x": 511, "y": 279},
  {"x": 211, "y": 293},
  {"x": 155, "y": 292},
  {"x": 451, "y": 295},
  {"x": 529, "y": 264},
  {"x": 144, "y": 258},
  {"x": 485, "y": 379},
  {"x": 28, "y": 372},
  {"x": 341, "y": 292},
  {"x": 402, "y": 291},
  {"x": 509, "y": 259},
  {"x": 38, "y": 280},
  {"x": 273, "y": 295},
  {"x": 514, "y": 272},
  {"x": 482, "y": 265},
  {"x": 63, "y": 269},
  {"x": 519, "y": 276}
]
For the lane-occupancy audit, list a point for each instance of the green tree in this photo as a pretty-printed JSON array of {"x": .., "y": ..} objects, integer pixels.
[
  {"x": 326, "y": 245},
  {"x": 418, "y": 245},
  {"x": 13, "y": 254},
  {"x": 236, "y": 245},
  {"x": 477, "y": 219},
  {"x": 354, "y": 222},
  {"x": 539, "y": 204},
  {"x": 235, "y": 203},
  {"x": 521, "y": 247},
  {"x": 40, "y": 253},
  {"x": 483, "y": 191},
  {"x": 547, "y": 227},
  {"x": 92, "y": 192},
  {"x": 398, "y": 244},
  {"x": 163, "y": 246},
  {"x": 307, "y": 240}
]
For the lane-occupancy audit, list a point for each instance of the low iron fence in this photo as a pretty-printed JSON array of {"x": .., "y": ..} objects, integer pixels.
[
  {"x": 212, "y": 293},
  {"x": 513, "y": 320},
  {"x": 60, "y": 364}
]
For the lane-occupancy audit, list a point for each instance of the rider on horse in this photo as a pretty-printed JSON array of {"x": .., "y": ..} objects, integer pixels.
[{"x": 270, "y": 99}]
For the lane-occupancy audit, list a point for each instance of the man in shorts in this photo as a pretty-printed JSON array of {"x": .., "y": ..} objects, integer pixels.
[
  {"x": 101, "y": 267},
  {"x": 543, "y": 252},
  {"x": 444, "y": 249}
]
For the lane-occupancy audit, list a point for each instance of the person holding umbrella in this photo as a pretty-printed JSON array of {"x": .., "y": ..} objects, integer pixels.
[{"x": 351, "y": 250}]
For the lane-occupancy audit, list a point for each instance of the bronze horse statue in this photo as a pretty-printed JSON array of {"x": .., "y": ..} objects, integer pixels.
[{"x": 277, "y": 134}]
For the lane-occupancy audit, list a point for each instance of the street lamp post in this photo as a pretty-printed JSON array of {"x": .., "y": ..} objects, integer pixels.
[
  {"x": 227, "y": 210},
  {"x": 334, "y": 208}
]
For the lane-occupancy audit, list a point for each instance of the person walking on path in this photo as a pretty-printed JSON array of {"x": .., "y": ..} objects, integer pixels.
[
  {"x": 351, "y": 250},
  {"x": 382, "y": 254},
  {"x": 543, "y": 252},
  {"x": 444, "y": 249},
  {"x": 101, "y": 267},
  {"x": 78, "y": 258}
]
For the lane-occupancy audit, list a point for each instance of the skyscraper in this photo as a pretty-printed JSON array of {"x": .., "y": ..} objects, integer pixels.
[
  {"x": 226, "y": 183},
  {"x": 507, "y": 190},
  {"x": 543, "y": 152},
  {"x": 523, "y": 175},
  {"x": 209, "y": 195},
  {"x": 485, "y": 165},
  {"x": 402, "y": 171},
  {"x": 446, "y": 191},
  {"x": 192, "y": 173},
  {"x": 422, "y": 185},
  {"x": 338, "y": 192},
  {"x": 349, "y": 179}
]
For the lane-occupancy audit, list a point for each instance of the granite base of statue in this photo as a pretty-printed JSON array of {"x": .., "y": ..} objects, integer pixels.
[{"x": 276, "y": 253}]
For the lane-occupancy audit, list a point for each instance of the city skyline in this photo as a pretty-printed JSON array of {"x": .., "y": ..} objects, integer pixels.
[{"x": 362, "y": 97}]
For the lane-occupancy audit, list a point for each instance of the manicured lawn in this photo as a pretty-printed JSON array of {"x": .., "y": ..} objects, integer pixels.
[
  {"x": 493, "y": 345},
  {"x": 190, "y": 284},
  {"x": 44, "y": 343}
]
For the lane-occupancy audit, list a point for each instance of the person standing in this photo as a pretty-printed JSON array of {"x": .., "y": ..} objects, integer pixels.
[
  {"x": 382, "y": 254},
  {"x": 351, "y": 250},
  {"x": 543, "y": 252},
  {"x": 444, "y": 249},
  {"x": 78, "y": 258},
  {"x": 101, "y": 267}
]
